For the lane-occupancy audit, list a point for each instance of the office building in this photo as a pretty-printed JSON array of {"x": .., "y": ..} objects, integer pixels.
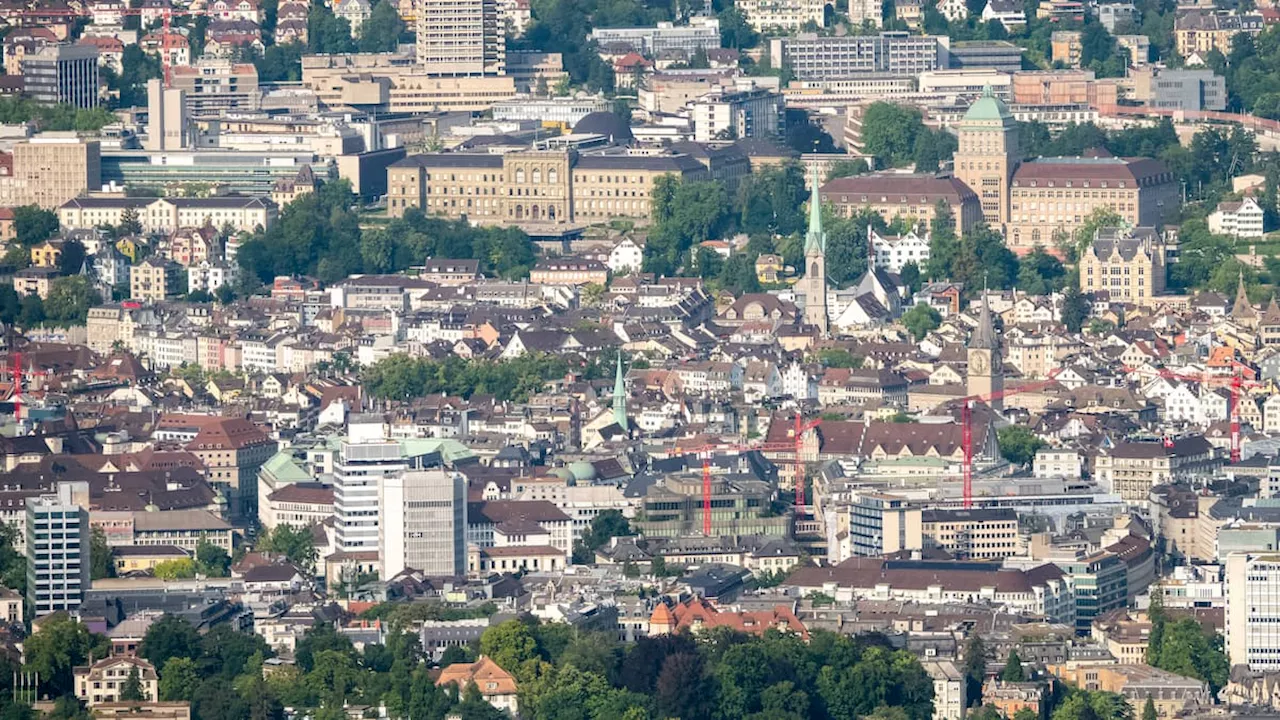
[
  {"x": 999, "y": 55},
  {"x": 64, "y": 74},
  {"x": 565, "y": 111},
  {"x": 213, "y": 87},
  {"x": 57, "y": 535},
  {"x": 1252, "y": 626},
  {"x": 1100, "y": 584},
  {"x": 738, "y": 115},
  {"x": 702, "y": 33},
  {"x": 812, "y": 57},
  {"x": 51, "y": 168},
  {"x": 357, "y": 478},
  {"x": 879, "y": 524},
  {"x": 393, "y": 83},
  {"x": 166, "y": 117},
  {"x": 424, "y": 522},
  {"x": 1128, "y": 263},
  {"x": 1132, "y": 469},
  {"x": 460, "y": 38},
  {"x": 1188, "y": 90},
  {"x": 972, "y": 534}
]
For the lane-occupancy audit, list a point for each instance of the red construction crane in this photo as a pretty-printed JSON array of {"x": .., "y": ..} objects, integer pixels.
[
  {"x": 1235, "y": 382},
  {"x": 966, "y": 424},
  {"x": 706, "y": 452}
]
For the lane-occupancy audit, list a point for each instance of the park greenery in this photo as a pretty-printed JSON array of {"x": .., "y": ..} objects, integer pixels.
[
  {"x": 401, "y": 377},
  {"x": 1182, "y": 645}
]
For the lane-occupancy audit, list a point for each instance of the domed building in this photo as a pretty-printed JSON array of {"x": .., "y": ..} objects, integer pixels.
[{"x": 610, "y": 125}]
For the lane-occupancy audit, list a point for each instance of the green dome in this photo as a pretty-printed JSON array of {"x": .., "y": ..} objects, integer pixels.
[
  {"x": 988, "y": 108},
  {"x": 583, "y": 472},
  {"x": 562, "y": 473}
]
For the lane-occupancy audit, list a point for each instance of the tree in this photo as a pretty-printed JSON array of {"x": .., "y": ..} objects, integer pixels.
[
  {"x": 131, "y": 690},
  {"x": 910, "y": 275},
  {"x": 130, "y": 223},
  {"x": 1149, "y": 709},
  {"x": 735, "y": 31},
  {"x": 69, "y": 300},
  {"x": 1075, "y": 306},
  {"x": 682, "y": 688},
  {"x": 32, "y": 225},
  {"x": 177, "y": 569},
  {"x": 61, "y": 644},
  {"x": 509, "y": 644},
  {"x": 975, "y": 668},
  {"x": 296, "y": 544},
  {"x": 178, "y": 679},
  {"x": 328, "y": 34},
  {"x": 71, "y": 261},
  {"x": 169, "y": 637},
  {"x": 1018, "y": 444},
  {"x": 604, "y": 527},
  {"x": 1013, "y": 671},
  {"x": 839, "y": 358},
  {"x": 101, "y": 564},
  {"x": 13, "y": 565},
  {"x": 889, "y": 132},
  {"x": 381, "y": 32},
  {"x": 211, "y": 559},
  {"x": 920, "y": 320},
  {"x": 847, "y": 168},
  {"x": 1101, "y": 217},
  {"x": 321, "y": 638}
]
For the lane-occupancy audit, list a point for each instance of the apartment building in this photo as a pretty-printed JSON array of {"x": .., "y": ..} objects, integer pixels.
[
  {"x": 786, "y": 15},
  {"x": 557, "y": 186},
  {"x": 57, "y": 538},
  {"x": 62, "y": 74},
  {"x": 738, "y": 114},
  {"x": 812, "y": 57},
  {"x": 212, "y": 87},
  {"x": 103, "y": 681},
  {"x": 1199, "y": 32},
  {"x": 232, "y": 450},
  {"x": 1132, "y": 469},
  {"x": 166, "y": 215},
  {"x": 155, "y": 279},
  {"x": 460, "y": 38},
  {"x": 972, "y": 534},
  {"x": 1240, "y": 218},
  {"x": 50, "y": 169},
  {"x": 1128, "y": 263}
]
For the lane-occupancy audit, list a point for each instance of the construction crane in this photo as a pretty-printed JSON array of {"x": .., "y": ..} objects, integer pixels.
[
  {"x": 1235, "y": 382},
  {"x": 706, "y": 452},
  {"x": 966, "y": 424}
]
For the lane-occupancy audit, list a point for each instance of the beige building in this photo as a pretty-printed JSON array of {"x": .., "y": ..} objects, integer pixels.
[
  {"x": 50, "y": 169},
  {"x": 1201, "y": 32},
  {"x": 784, "y": 14},
  {"x": 155, "y": 279},
  {"x": 460, "y": 38},
  {"x": 1127, "y": 263},
  {"x": 241, "y": 212},
  {"x": 1132, "y": 469},
  {"x": 395, "y": 83},
  {"x": 102, "y": 681},
  {"x": 569, "y": 271},
  {"x": 903, "y": 195},
  {"x": 551, "y": 186},
  {"x": 987, "y": 154},
  {"x": 1173, "y": 695},
  {"x": 972, "y": 534}
]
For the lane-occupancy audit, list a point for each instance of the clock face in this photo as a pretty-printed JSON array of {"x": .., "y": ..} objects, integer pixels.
[{"x": 979, "y": 363}]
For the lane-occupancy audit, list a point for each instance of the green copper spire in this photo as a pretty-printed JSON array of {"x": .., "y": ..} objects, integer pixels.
[
  {"x": 815, "y": 240},
  {"x": 620, "y": 397}
]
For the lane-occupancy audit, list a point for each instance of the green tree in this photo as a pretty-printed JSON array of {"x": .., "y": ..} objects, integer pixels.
[
  {"x": 178, "y": 679},
  {"x": 13, "y": 565},
  {"x": 975, "y": 668},
  {"x": 212, "y": 560},
  {"x": 101, "y": 564},
  {"x": 61, "y": 644},
  {"x": 839, "y": 358},
  {"x": 1149, "y": 710},
  {"x": 920, "y": 320},
  {"x": 1013, "y": 671},
  {"x": 169, "y": 637},
  {"x": 847, "y": 168},
  {"x": 1018, "y": 444},
  {"x": 328, "y": 34},
  {"x": 1075, "y": 305},
  {"x": 509, "y": 644},
  {"x": 1101, "y": 217},
  {"x": 177, "y": 569},
  {"x": 131, "y": 690},
  {"x": 295, "y": 544},
  {"x": 889, "y": 133},
  {"x": 32, "y": 225},
  {"x": 69, "y": 300},
  {"x": 381, "y": 32}
]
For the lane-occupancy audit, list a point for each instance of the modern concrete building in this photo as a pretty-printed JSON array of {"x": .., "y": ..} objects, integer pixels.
[
  {"x": 51, "y": 168},
  {"x": 460, "y": 38},
  {"x": 215, "y": 86},
  {"x": 362, "y": 465},
  {"x": 386, "y": 82},
  {"x": 972, "y": 534},
  {"x": 1128, "y": 263},
  {"x": 812, "y": 57},
  {"x": 57, "y": 535},
  {"x": 702, "y": 33},
  {"x": 166, "y": 117},
  {"x": 1188, "y": 90},
  {"x": 1253, "y": 610},
  {"x": 424, "y": 522},
  {"x": 881, "y": 524},
  {"x": 738, "y": 114},
  {"x": 63, "y": 74}
]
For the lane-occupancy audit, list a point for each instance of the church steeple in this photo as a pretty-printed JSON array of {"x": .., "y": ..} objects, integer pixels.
[
  {"x": 984, "y": 337},
  {"x": 986, "y": 371},
  {"x": 814, "y": 283},
  {"x": 619, "y": 397}
]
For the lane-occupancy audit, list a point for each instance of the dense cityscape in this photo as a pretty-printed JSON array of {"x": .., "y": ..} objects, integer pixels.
[{"x": 639, "y": 360}]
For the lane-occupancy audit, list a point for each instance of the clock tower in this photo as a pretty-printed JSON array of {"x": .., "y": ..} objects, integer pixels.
[{"x": 986, "y": 374}]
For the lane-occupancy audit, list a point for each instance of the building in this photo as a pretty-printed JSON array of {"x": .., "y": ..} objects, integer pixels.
[
  {"x": 1128, "y": 263},
  {"x": 702, "y": 33},
  {"x": 496, "y": 685},
  {"x": 166, "y": 117},
  {"x": 1138, "y": 47},
  {"x": 812, "y": 57},
  {"x": 893, "y": 252},
  {"x": 423, "y": 523},
  {"x": 563, "y": 111},
  {"x": 1142, "y": 191},
  {"x": 102, "y": 681},
  {"x": 950, "y": 689},
  {"x": 1000, "y": 55},
  {"x": 569, "y": 271},
  {"x": 62, "y": 74},
  {"x": 1194, "y": 90},
  {"x": 57, "y": 538},
  {"x": 395, "y": 83},
  {"x": 460, "y": 38},
  {"x": 1173, "y": 695},
  {"x": 1099, "y": 583},
  {"x": 1200, "y": 32},
  {"x": 988, "y": 152},
  {"x": 880, "y": 524},
  {"x": 1132, "y": 469},
  {"x": 300, "y": 504},
  {"x": 738, "y": 114},
  {"x": 786, "y": 15},
  {"x": 985, "y": 375},
  {"x": 1066, "y": 47},
  {"x": 560, "y": 186},
  {"x": 1252, "y": 583},
  {"x": 233, "y": 449},
  {"x": 971, "y": 534},
  {"x": 168, "y": 215},
  {"x": 904, "y": 195},
  {"x": 1241, "y": 218},
  {"x": 211, "y": 87},
  {"x": 155, "y": 279},
  {"x": 814, "y": 282},
  {"x": 51, "y": 168}
]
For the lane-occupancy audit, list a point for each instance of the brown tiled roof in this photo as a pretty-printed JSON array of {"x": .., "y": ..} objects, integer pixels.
[
  {"x": 228, "y": 433},
  {"x": 312, "y": 493},
  {"x": 928, "y": 187},
  {"x": 498, "y": 512},
  {"x": 482, "y": 672},
  {"x": 918, "y": 575},
  {"x": 1141, "y": 171}
]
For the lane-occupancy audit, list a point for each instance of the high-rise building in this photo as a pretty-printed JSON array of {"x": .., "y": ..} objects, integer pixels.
[
  {"x": 50, "y": 169},
  {"x": 423, "y": 516},
  {"x": 987, "y": 154},
  {"x": 217, "y": 85},
  {"x": 57, "y": 533},
  {"x": 166, "y": 117},
  {"x": 815, "y": 263},
  {"x": 357, "y": 475},
  {"x": 461, "y": 37},
  {"x": 65, "y": 74},
  {"x": 1252, "y": 626}
]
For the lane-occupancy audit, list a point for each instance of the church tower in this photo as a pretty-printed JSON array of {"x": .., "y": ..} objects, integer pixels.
[
  {"x": 986, "y": 374},
  {"x": 987, "y": 155},
  {"x": 814, "y": 283},
  {"x": 620, "y": 396}
]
